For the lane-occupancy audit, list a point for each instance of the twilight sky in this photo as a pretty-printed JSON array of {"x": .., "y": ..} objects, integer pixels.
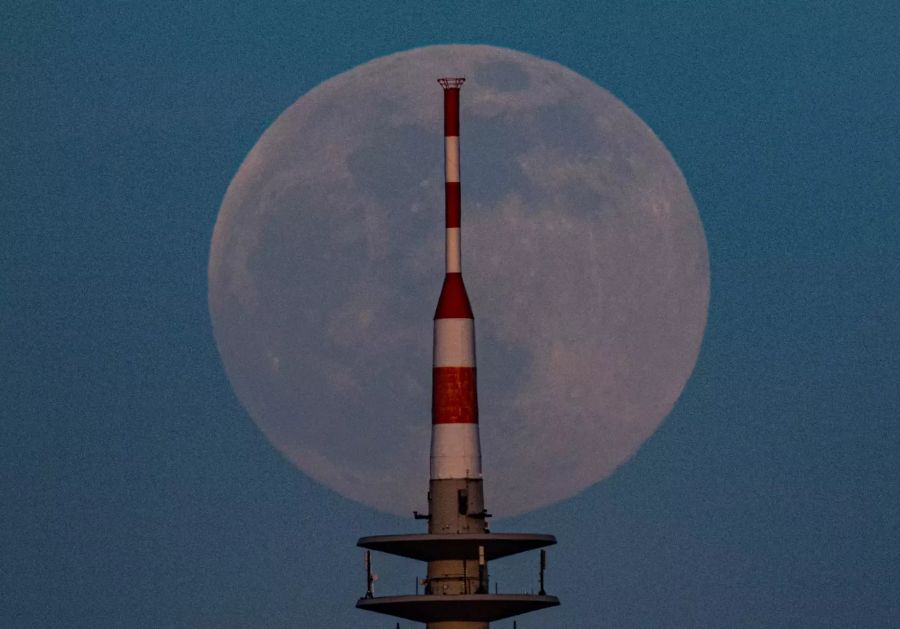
[{"x": 136, "y": 492}]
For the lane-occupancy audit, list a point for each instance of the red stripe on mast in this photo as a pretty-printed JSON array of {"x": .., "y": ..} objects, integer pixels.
[
  {"x": 452, "y": 203},
  {"x": 451, "y": 110},
  {"x": 454, "y": 301},
  {"x": 454, "y": 400}
]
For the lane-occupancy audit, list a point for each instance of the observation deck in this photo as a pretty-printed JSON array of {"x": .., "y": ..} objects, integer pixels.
[
  {"x": 433, "y": 547},
  {"x": 475, "y": 603}
]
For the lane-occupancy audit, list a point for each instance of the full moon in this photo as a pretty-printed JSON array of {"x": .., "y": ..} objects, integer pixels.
[{"x": 583, "y": 254}]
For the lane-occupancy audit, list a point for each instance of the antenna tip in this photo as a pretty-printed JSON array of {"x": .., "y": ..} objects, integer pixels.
[{"x": 450, "y": 83}]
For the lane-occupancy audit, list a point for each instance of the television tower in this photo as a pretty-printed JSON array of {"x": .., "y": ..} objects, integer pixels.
[{"x": 458, "y": 546}]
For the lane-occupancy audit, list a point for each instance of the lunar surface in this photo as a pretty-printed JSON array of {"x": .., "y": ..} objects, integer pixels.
[{"x": 583, "y": 254}]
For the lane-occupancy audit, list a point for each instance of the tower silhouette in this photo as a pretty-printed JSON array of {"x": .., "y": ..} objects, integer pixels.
[{"x": 458, "y": 546}]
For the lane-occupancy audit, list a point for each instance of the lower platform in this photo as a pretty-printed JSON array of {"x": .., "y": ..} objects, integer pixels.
[{"x": 462, "y": 607}]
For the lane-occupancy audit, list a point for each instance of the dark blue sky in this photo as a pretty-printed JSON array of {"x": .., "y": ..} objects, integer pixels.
[{"x": 136, "y": 492}]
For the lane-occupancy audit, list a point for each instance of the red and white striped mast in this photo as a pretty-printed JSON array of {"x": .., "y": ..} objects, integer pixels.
[{"x": 455, "y": 444}]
